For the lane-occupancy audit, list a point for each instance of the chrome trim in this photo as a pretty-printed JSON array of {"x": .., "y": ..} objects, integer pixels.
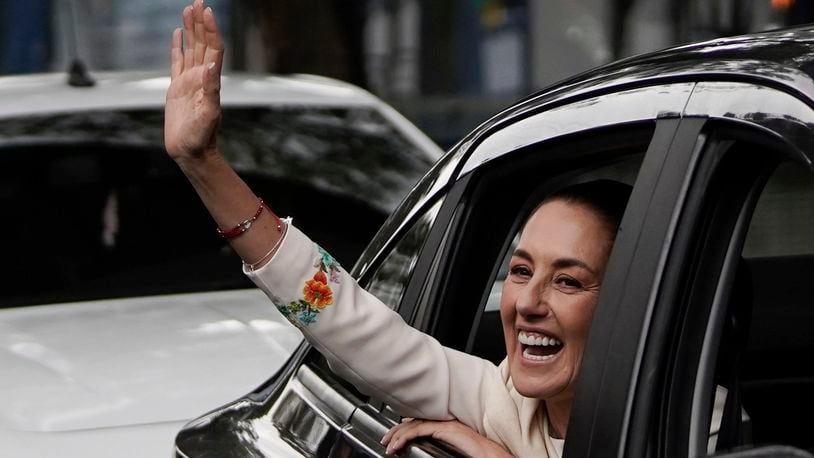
[{"x": 321, "y": 397}]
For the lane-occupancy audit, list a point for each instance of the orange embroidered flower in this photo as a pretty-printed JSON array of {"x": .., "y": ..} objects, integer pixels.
[{"x": 317, "y": 292}]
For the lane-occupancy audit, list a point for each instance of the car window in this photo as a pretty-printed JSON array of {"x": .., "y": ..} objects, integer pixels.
[
  {"x": 92, "y": 199},
  {"x": 389, "y": 280},
  {"x": 765, "y": 383}
]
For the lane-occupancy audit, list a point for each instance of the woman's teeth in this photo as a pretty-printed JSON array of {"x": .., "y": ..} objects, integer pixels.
[
  {"x": 527, "y": 354},
  {"x": 537, "y": 340},
  {"x": 538, "y": 347}
]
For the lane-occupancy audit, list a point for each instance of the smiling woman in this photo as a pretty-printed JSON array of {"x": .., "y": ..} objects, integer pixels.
[{"x": 548, "y": 300}]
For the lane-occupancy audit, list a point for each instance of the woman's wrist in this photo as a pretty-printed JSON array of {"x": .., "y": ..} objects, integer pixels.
[{"x": 199, "y": 162}]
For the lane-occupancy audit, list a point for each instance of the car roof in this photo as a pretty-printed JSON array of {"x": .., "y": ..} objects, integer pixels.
[
  {"x": 50, "y": 93},
  {"x": 783, "y": 59}
]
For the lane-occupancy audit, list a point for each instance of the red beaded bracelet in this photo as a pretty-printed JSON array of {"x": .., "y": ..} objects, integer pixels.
[{"x": 242, "y": 226}]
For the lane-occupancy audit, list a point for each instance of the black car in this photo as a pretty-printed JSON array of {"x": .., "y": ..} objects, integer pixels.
[{"x": 701, "y": 343}]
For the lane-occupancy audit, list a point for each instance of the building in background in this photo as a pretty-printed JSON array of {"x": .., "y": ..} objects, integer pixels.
[{"x": 446, "y": 65}]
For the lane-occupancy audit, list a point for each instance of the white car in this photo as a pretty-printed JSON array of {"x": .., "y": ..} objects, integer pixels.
[{"x": 123, "y": 314}]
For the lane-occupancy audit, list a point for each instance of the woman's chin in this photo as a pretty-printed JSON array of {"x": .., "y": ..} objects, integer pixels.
[{"x": 539, "y": 381}]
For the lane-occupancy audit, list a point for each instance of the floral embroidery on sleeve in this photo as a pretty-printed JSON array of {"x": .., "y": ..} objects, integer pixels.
[{"x": 317, "y": 293}]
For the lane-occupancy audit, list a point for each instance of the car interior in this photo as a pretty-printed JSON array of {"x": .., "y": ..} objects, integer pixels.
[{"x": 765, "y": 350}]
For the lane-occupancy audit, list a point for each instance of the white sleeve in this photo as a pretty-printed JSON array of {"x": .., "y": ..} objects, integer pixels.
[{"x": 369, "y": 344}]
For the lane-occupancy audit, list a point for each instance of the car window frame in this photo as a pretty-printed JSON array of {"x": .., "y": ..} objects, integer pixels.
[
  {"x": 600, "y": 416},
  {"x": 554, "y": 153},
  {"x": 705, "y": 244}
]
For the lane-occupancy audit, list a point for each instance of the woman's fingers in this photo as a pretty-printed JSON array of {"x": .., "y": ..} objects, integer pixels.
[
  {"x": 401, "y": 434},
  {"x": 198, "y": 30},
  {"x": 390, "y": 432},
  {"x": 452, "y": 432},
  {"x": 190, "y": 120},
  {"x": 214, "y": 41},
  {"x": 188, "y": 38},
  {"x": 176, "y": 54}
]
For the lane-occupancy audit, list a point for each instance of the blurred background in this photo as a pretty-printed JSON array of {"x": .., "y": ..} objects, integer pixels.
[{"x": 446, "y": 65}]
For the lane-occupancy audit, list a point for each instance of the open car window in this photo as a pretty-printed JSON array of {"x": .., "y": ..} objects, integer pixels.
[
  {"x": 486, "y": 338},
  {"x": 460, "y": 303}
]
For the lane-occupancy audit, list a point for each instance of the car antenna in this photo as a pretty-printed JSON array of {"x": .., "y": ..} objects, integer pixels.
[{"x": 78, "y": 75}]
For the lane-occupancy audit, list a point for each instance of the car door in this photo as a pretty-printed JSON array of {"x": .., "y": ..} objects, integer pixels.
[{"x": 699, "y": 374}]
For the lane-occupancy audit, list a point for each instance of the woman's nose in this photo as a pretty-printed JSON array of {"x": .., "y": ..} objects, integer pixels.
[{"x": 533, "y": 299}]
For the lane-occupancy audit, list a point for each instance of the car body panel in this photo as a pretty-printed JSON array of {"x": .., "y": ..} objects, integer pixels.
[
  {"x": 136, "y": 441},
  {"x": 82, "y": 354}
]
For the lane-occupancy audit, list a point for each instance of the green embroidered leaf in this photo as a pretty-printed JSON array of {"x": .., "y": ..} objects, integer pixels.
[{"x": 295, "y": 306}]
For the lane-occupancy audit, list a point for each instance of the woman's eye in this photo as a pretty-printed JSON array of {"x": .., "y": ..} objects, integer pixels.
[
  {"x": 568, "y": 282},
  {"x": 520, "y": 271}
]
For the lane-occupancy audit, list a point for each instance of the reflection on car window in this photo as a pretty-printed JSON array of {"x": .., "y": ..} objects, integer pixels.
[
  {"x": 390, "y": 279},
  {"x": 320, "y": 146},
  {"x": 114, "y": 217},
  {"x": 324, "y": 147}
]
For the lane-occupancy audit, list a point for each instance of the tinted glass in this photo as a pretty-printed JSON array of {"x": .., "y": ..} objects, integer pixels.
[
  {"x": 390, "y": 279},
  {"x": 774, "y": 305},
  {"x": 353, "y": 151},
  {"x": 781, "y": 225},
  {"x": 97, "y": 210}
]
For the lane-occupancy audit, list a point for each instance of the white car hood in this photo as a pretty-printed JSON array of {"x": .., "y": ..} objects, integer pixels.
[{"x": 139, "y": 361}]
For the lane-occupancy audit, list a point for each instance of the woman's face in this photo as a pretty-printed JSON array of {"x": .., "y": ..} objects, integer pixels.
[{"x": 549, "y": 297}]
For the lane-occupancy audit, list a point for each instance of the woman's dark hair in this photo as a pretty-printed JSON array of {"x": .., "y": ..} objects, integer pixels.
[{"x": 606, "y": 197}]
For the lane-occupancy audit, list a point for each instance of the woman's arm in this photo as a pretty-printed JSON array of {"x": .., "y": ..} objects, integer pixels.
[
  {"x": 192, "y": 115},
  {"x": 371, "y": 345},
  {"x": 363, "y": 340}
]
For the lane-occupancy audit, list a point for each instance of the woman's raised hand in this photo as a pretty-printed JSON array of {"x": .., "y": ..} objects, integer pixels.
[
  {"x": 192, "y": 110},
  {"x": 453, "y": 432}
]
